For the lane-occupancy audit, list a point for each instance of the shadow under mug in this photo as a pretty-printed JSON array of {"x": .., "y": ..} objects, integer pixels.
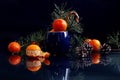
[{"x": 58, "y": 42}]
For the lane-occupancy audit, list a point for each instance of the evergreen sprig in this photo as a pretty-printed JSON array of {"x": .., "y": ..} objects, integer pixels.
[
  {"x": 75, "y": 28},
  {"x": 113, "y": 39},
  {"x": 59, "y": 12},
  {"x": 38, "y": 37}
]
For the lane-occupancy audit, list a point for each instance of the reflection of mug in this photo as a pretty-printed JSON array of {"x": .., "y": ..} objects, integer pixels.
[{"x": 58, "y": 42}]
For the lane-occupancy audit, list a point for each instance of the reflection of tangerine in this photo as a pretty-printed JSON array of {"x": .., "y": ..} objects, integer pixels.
[
  {"x": 59, "y": 25},
  {"x": 33, "y": 50},
  {"x": 95, "y": 58},
  {"x": 14, "y": 47},
  {"x": 41, "y": 59},
  {"x": 33, "y": 65},
  {"x": 14, "y": 59},
  {"x": 95, "y": 44},
  {"x": 47, "y": 62}
]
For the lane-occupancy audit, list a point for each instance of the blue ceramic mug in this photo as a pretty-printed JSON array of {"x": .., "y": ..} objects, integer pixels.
[{"x": 58, "y": 42}]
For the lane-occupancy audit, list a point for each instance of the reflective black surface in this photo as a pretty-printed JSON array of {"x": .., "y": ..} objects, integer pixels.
[{"x": 62, "y": 68}]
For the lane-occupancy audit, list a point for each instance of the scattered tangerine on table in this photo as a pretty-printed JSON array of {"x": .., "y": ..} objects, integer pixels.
[
  {"x": 14, "y": 47},
  {"x": 95, "y": 44},
  {"x": 33, "y": 50}
]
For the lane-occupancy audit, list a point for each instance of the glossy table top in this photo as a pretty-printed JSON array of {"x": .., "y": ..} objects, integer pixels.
[{"x": 64, "y": 69}]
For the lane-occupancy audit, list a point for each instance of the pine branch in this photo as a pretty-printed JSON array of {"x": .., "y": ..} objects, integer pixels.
[
  {"x": 113, "y": 39},
  {"x": 35, "y": 36}
]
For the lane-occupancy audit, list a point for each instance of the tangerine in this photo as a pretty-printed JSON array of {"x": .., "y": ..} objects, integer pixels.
[
  {"x": 87, "y": 40},
  {"x": 33, "y": 50},
  {"x": 46, "y": 55},
  {"x": 59, "y": 25},
  {"x": 14, "y": 47},
  {"x": 95, "y": 43}
]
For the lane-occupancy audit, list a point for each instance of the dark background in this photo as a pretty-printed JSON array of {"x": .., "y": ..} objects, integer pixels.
[{"x": 100, "y": 17}]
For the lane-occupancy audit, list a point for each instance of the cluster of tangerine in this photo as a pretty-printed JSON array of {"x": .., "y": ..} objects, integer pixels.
[
  {"x": 95, "y": 43},
  {"x": 34, "y": 53}
]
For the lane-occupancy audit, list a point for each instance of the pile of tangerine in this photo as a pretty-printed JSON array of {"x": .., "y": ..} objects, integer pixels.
[{"x": 34, "y": 53}]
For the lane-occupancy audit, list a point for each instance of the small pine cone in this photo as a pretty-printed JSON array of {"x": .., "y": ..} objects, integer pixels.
[
  {"x": 105, "y": 48},
  {"x": 87, "y": 47},
  {"x": 84, "y": 50}
]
